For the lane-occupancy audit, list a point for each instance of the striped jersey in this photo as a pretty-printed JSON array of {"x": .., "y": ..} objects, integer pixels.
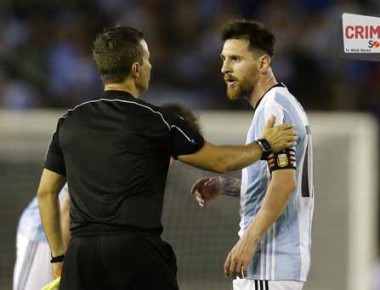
[
  {"x": 284, "y": 251},
  {"x": 30, "y": 224}
]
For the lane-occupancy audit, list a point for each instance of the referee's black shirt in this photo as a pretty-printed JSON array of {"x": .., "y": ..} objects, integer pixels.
[{"x": 115, "y": 153}]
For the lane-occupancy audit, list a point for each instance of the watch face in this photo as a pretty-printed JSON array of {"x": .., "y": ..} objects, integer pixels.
[{"x": 266, "y": 146}]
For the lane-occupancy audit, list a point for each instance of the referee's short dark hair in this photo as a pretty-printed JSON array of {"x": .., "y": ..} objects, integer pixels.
[
  {"x": 258, "y": 35},
  {"x": 114, "y": 52}
]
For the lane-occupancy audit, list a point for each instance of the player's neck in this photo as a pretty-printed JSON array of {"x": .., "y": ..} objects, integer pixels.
[
  {"x": 126, "y": 86},
  {"x": 263, "y": 85}
]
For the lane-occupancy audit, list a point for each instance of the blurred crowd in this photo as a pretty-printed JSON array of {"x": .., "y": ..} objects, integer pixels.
[{"x": 45, "y": 50}]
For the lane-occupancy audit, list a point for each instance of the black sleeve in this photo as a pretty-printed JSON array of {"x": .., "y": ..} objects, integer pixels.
[
  {"x": 185, "y": 141},
  {"x": 183, "y": 138},
  {"x": 54, "y": 160}
]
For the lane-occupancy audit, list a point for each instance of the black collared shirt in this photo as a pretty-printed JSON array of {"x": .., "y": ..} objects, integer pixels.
[{"x": 115, "y": 153}]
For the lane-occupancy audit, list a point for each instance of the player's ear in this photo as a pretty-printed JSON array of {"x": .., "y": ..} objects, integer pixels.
[{"x": 264, "y": 62}]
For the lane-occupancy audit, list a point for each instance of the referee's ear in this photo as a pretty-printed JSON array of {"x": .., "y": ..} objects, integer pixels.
[{"x": 136, "y": 70}]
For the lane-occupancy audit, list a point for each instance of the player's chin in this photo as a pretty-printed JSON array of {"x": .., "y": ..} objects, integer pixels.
[
  {"x": 233, "y": 93},
  {"x": 232, "y": 96}
]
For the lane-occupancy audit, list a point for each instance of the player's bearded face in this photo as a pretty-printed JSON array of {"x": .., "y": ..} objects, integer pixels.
[
  {"x": 239, "y": 68},
  {"x": 239, "y": 88}
]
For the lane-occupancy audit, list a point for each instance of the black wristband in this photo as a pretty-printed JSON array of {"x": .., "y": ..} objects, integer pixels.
[
  {"x": 265, "y": 147},
  {"x": 57, "y": 259}
]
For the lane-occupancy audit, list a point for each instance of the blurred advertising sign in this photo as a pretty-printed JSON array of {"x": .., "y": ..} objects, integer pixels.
[{"x": 361, "y": 36}]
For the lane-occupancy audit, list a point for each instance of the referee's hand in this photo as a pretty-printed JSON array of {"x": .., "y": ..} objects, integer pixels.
[
  {"x": 57, "y": 269},
  {"x": 281, "y": 136}
]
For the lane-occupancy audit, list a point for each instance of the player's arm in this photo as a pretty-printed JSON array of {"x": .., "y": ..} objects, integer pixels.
[
  {"x": 227, "y": 158},
  {"x": 276, "y": 198},
  {"x": 279, "y": 191},
  {"x": 49, "y": 188},
  {"x": 208, "y": 188}
]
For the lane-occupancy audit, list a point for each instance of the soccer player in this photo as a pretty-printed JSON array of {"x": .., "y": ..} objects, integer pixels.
[
  {"x": 33, "y": 268},
  {"x": 114, "y": 152},
  {"x": 276, "y": 194}
]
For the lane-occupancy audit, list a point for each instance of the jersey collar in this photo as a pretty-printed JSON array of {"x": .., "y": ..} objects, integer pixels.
[
  {"x": 113, "y": 94},
  {"x": 274, "y": 86}
]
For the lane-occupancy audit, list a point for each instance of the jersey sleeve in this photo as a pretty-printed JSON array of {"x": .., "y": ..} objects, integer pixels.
[
  {"x": 184, "y": 138},
  {"x": 54, "y": 160},
  {"x": 285, "y": 159},
  {"x": 275, "y": 109}
]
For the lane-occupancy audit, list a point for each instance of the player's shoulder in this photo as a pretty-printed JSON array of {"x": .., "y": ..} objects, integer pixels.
[
  {"x": 275, "y": 93},
  {"x": 280, "y": 97}
]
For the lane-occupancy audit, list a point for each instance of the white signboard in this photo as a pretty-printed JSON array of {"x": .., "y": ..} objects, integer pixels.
[{"x": 361, "y": 34}]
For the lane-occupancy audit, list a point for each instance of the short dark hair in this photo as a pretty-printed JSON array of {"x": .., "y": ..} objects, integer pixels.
[
  {"x": 114, "y": 52},
  {"x": 258, "y": 35},
  {"x": 186, "y": 114}
]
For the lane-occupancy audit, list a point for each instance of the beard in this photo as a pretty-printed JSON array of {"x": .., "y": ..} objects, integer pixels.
[{"x": 237, "y": 91}]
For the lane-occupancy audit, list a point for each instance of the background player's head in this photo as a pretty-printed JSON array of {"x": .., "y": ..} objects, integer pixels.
[
  {"x": 121, "y": 54},
  {"x": 247, "y": 51}
]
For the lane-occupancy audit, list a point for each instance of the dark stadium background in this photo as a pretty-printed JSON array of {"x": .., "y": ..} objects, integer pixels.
[{"x": 45, "y": 65}]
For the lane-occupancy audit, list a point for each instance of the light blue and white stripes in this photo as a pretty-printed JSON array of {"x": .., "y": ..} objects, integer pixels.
[{"x": 284, "y": 251}]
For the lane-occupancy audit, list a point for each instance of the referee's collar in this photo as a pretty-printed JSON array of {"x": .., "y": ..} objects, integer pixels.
[{"x": 113, "y": 94}]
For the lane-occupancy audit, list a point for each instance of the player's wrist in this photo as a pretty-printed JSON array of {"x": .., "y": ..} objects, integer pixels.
[
  {"x": 265, "y": 146},
  {"x": 230, "y": 186}
]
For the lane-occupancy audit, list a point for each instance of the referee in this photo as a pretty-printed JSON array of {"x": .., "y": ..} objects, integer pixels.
[{"x": 114, "y": 153}]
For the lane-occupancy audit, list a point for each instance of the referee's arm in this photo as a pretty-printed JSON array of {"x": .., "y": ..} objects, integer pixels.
[
  {"x": 50, "y": 185},
  {"x": 223, "y": 158}
]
